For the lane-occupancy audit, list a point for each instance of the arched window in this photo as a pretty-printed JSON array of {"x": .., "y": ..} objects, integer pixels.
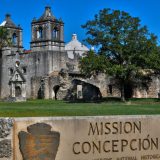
[
  {"x": 55, "y": 33},
  {"x": 14, "y": 39},
  {"x": 24, "y": 70},
  {"x": 40, "y": 33},
  {"x": 11, "y": 71}
]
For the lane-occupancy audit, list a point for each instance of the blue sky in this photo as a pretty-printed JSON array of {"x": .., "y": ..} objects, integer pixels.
[{"x": 76, "y": 12}]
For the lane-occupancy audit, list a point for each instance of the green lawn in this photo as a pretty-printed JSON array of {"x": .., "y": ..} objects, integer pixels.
[{"x": 34, "y": 108}]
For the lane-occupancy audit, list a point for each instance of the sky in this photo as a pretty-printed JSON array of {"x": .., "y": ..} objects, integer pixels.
[{"x": 74, "y": 13}]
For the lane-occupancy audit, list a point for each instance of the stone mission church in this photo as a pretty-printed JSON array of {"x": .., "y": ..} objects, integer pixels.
[{"x": 50, "y": 69}]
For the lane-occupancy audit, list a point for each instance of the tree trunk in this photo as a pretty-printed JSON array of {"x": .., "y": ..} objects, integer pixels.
[{"x": 122, "y": 93}]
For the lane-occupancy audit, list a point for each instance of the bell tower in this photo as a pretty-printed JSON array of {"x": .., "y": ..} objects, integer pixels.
[
  {"x": 9, "y": 54},
  {"x": 15, "y": 33},
  {"x": 47, "y": 32}
]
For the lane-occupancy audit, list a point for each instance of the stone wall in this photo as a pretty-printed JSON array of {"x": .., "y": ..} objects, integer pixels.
[
  {"x": 6, "y": 138},
  {"x": 43, "y": 63},
  {"x": 37, "y": 64}
]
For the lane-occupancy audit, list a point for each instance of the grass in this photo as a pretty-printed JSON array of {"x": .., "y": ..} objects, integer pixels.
[{"x": 38, "y": 108}]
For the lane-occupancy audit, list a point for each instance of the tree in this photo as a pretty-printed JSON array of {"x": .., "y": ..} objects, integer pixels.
[
  {"x": 125, "y": 49},
  {"x": 4, "y": 37}
]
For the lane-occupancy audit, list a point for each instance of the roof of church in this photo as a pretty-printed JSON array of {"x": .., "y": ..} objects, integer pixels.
[
  {"x": 27, "y": 51},
  {"x": 75, "y": 45},
  {"x": 8, "y": 22}
]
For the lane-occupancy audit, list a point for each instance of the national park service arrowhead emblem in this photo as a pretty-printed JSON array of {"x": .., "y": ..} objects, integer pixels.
[{"x": 39, "y": 143}]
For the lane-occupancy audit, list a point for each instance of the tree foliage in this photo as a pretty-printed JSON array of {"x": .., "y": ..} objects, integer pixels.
[
  {"x": 125, "y": 48},
  {"x": 4, "y": 37}
]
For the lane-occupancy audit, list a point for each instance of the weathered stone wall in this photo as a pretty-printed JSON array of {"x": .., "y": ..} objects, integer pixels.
[
  {"x": 35, "y": 86},
  {"x": 9, "y": 59},
  {"x": 44, "y": 63},
  {"x": 37, "y": 64},
  {"x": 150, "y": 89},
  {"x": 154, "y": 88},
  {"x": 6, "y": 139}
]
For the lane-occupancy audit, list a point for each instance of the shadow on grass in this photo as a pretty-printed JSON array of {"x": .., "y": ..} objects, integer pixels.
[
  {"x": 116, "y": 100},
  {"x": 145, "y": 99},
  {"x": 102, "y": 100}
]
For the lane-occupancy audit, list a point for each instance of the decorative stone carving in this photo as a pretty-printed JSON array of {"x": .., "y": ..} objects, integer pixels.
[
  {"x": 40, "y": 143},
  {"x": 5, "y": 148},
  {"x": 5, "y": 127}
]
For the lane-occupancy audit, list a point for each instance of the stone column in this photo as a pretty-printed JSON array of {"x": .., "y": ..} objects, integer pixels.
[
  {"x": 20, "y": 38},
  {"x": 12, "y": 90},
  {"x": 48, "y": 31},
  {"x": 62, "y": 32},
  {"x": 46, "y": 88},
  {"x": 24, "y": 90}
]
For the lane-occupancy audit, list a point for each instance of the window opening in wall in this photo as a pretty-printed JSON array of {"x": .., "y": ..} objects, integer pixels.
[
  {"x": 24, "y": 70},
  {"x": 55, "y": 33},
  {"x": 11, "y": 71},
  {"x": 14, "y": 38},
  {"x": 110, "y": 89},
  {"x": 40, "y": 33}
]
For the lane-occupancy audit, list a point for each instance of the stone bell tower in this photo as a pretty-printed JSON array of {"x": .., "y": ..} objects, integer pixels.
[
  {"x": 15, "y": 33},
  {"x": 47, "y": 32},
  {"x": 9, "y": 55}
]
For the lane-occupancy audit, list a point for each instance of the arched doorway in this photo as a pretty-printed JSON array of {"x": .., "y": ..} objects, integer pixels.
[
  {"x": 18, "y": 91},
  {"x": 87, "y": 91},
  {"x": 55, "y": 90},
  {"x": 41, "y": 93}
]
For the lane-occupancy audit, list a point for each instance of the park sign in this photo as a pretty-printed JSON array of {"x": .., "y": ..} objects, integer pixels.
[{"x": 81, "y": 138}]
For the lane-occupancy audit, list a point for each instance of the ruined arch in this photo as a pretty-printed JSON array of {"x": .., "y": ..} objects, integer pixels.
[{"x": 89, "y": 91}]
